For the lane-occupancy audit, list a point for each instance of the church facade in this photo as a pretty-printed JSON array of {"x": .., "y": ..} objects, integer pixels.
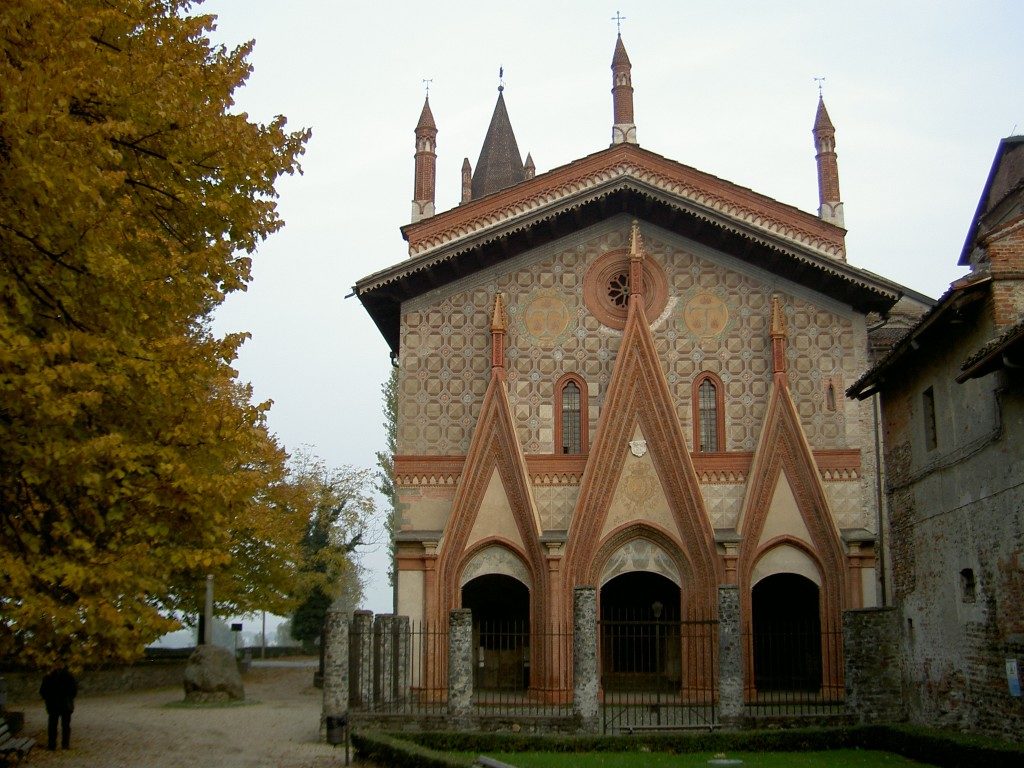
[{"x": 629, "y": 374}]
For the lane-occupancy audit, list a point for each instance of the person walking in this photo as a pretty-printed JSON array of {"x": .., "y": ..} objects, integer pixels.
[{"x": 58, "y": 690}]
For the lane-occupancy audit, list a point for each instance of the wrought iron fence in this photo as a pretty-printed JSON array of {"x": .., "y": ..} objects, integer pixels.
[
  {"x": 398, "y": 668},
  {"x": 658, "y": 674},
  {"x": 521, "y": 672},
  {"x": 794, "y": 669}
]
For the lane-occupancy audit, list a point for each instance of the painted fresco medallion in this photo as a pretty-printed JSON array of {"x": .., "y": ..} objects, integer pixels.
[
  {"x": 639, "y": 485},
  {"x": 705, "y": 315},
  {"x": 546, "y": 318}
]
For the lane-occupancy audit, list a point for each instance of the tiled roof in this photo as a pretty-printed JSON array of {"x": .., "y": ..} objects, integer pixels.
[{"x": 500, "y": 164}]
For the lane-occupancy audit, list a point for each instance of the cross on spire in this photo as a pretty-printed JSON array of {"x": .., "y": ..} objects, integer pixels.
[
  {"x": 819, "y": 81},
  {"x": 618, "y": 18},
  {"x": 426, "y": 84},
  {"x": 501, "y": 79}
]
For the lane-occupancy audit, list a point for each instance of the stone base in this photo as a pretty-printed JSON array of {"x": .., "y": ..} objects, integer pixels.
[{"x": 208, "y": 697}]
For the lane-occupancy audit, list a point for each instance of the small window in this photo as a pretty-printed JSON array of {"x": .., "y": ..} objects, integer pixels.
[
  {"x": 830, "y": 395},
  {"x": 928, "y": 411},
  {"x": 570, "y": 415},
  {"x": 708, "y": 413},
  {"x": 968, "y": 589}
]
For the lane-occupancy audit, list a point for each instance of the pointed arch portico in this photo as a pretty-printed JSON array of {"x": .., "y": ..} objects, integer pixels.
[{"x": 639, "y": 401}]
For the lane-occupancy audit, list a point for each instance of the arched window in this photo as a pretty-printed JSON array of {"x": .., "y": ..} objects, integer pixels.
[
  {"x": 570, "y": 415},
  {"x": 708, "y": 414}
]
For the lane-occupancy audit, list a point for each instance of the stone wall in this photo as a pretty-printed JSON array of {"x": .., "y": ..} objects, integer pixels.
[
  {"x": 23, "y": 687},
  {"x": 873, "y": 677},
  {"x": 956, "y": 533}
]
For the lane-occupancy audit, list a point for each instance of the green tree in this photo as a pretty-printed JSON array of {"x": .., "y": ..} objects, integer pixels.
[
  {"x": 386, "y": 470},
  {"x": 339, "y": 523},
  {"x": 131, "y": 200}
]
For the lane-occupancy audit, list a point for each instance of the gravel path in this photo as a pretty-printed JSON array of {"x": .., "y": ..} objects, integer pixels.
[{"x": 276, "y": 728}]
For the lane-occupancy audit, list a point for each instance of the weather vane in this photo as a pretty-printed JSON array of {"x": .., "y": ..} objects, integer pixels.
[
  {"x": 819, "y": 81},
  {"x": 426, "y": 83},
  {"x": 501, "y": 78},
  {"x": 618, "y": 18}
]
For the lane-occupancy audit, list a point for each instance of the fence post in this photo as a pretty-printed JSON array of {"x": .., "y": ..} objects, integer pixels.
[
  {"x": 362, "y": 671},
  {"x": 460, "y": 665},
  {"x": 730, "y": 657},
  {"x": 403, "y": 660},
  {"x": 335, "y": 703},
  {"x": 584, "y": 658},
  {"x": 383, "y": 659}
]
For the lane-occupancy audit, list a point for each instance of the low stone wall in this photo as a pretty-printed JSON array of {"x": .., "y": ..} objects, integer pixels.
[
  {"x": 23, "y": 687},
  {"x": 873, "y": 680}
]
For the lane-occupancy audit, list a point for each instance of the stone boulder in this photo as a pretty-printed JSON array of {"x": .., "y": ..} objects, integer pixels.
[{"x": 212, "y": 675}]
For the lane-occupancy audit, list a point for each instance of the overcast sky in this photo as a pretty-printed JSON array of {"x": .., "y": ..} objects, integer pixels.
[{"x": 920, "y": 94}]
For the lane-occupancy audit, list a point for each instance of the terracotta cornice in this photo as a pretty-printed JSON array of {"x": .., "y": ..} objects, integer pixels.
[
  {"x": 627, "y": 160},
  {"x": 558, "y": 469}
]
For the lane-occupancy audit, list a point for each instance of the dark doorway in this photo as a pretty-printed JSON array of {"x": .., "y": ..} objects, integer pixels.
[
  {"x": 501, "y": 632},
  {"x": 787, "y": 633},
  {"x": 640, "y": 632}
]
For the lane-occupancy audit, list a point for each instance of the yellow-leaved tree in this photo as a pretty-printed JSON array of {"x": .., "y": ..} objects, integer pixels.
[{"x": 131, "y": 460}]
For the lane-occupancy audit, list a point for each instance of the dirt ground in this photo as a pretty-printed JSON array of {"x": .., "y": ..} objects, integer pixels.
[{"x": 278, "y": 727}]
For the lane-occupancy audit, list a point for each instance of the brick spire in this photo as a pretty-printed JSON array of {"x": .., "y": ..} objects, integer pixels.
[
  {"x": 778, "y": 336},
  {"x": 426, "y": 165},
  {"x": 498, "y": 328},
  {"x": 636, "y": 265},
  {"x": 623, "y": 127},
  {"x": 830, "y": 206},
  {"x": 467, "y": 180}
]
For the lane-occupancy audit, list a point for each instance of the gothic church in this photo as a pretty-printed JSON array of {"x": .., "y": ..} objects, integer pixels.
[{"x": 628, "y": 374}]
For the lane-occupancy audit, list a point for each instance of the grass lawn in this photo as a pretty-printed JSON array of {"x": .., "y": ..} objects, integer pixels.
[{"x": 840, "y": 758}]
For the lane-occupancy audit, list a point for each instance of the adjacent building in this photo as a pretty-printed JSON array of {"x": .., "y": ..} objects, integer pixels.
[{"x": 952, "y": 403}]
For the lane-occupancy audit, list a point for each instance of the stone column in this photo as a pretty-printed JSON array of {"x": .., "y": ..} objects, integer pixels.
[
  {"x": 336, "y": 627},
  {"x": 871, "y": 642},
  {"x": 730, "y": 657},
  {"x": 584, "y": 658},
  {"x": 384, "y": 659},
  {"x": 460, "y": 665},
  {"x": 361, "y": 672},
  {"x": 403, "y": 658}
]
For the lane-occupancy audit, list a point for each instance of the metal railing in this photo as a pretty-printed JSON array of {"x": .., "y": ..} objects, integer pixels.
[
  {"x": 794, "y": 669},
  {"x": 658, "y": 674},
  {"x": 521, "y": 672},
  {"x": 400, "y": 670}
]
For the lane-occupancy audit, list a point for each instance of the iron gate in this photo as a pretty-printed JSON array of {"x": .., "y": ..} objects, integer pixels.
[{"x": 658, "y": 674}]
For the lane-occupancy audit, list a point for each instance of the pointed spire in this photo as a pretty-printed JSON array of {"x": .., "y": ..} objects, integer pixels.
[
  {"x": 623, "y": 127},
  {"x": 778, "y": 335},
  {"x": 467, "y": 181},
  {"x": 425, "y": 164},
  {"x": 830, "y": 206},
  {"x": 636, "y": 264},
  {"x": 529, "y": 167},
  {"x": 498, "y": 327},
  {"x": 500, "y": 165}
]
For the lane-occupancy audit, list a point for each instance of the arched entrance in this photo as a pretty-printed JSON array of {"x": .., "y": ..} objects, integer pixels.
[
  {"x": 501, "y": 631},
  {"x": 640, "y": 637},
  {"x": 786, "y": 633}
]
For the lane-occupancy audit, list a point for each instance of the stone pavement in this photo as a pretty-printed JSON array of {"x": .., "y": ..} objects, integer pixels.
[{"x": 278, "y": 728}]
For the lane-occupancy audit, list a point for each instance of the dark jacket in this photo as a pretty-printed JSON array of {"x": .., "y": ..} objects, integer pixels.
[{"x": 58, "y": 690}]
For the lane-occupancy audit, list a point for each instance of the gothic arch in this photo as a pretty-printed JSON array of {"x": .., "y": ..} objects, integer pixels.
[
  {"x": 494, "y": 448},
  {"x": 495, "y": 555},
  {"x": 638, "y": 395},
  {"x": 674, "y": 565},
  {"x": 782, "y": 450}
]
